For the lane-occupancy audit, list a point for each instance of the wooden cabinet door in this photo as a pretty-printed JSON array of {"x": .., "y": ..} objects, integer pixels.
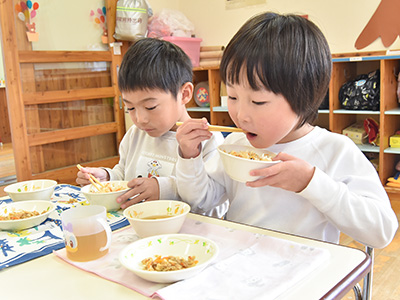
[{"x": 64, "y": 106}]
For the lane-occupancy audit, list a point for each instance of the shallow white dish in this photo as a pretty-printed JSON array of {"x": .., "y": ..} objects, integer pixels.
[
  {"x": 183, "y": 245},
  {"x": 238, "y": 168},
  {"x": 32, "y": 205},
  {"x": 174, "y": 214},
  {"x": 40, "y": 189},
  {"x": 108, "y": 199}
]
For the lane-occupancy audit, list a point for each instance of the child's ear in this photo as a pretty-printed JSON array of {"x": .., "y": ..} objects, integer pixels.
[{"x": 187, "y": 92}]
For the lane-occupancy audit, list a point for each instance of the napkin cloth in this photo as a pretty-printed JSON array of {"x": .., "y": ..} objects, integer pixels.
[
  {"x": 249, "y": 266},
  {"x": 21, "y": 246}
]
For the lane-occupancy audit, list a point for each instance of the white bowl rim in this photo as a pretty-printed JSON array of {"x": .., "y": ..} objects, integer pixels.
[
  {"x": 173, "y": 235},
  {"x": 8, "y": 187},
  {"x": 22, "y": 203},
  {"x": 86, "y": 187},
  {"x": 125, "y": 212},
  {"x": 156, "y": 220},
  {"x": 251, "y": 149}
]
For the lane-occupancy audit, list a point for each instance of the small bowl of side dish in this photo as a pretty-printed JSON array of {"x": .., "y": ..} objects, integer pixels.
[
  {"x": 202, "y": 250},
  {"x": 17, "y": 216},
  {"x": 157, "y": 217},
  {"x": 40, "y": 189},
  {"x": 239, "y": 160},
  {"x": 107, "y": 195}
]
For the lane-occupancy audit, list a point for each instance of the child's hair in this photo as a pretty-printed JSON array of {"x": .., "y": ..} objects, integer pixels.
[
  {"x": 285, "y": 54},
  {"x": 154, "y": 64}
]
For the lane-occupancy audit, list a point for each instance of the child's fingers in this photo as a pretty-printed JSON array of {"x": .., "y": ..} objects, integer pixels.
[
  {"x": 268, "y": 171},
  {"x": 192, "y": 125},
  {"x": 133, "y": 195},
  {"x": 283, "y": 157}
]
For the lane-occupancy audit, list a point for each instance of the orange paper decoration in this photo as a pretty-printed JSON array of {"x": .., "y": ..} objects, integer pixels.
[{"x": 384, "y": 23}]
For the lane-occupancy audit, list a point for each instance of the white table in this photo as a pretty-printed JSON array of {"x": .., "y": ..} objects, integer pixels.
[{"x": 49, "y": 277}]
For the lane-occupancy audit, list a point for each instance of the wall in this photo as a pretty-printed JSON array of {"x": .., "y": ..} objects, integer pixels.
[
  {"x": 341, "y": 20},
  {"x": 67, "y": 25}
]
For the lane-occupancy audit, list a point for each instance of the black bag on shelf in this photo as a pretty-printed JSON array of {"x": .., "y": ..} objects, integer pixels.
[{"x": 362, "y": 93}]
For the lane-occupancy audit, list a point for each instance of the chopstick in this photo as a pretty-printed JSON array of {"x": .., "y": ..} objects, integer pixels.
[
  {"x": 92, "y": 179},
  {"x": 218, "y": 128}
]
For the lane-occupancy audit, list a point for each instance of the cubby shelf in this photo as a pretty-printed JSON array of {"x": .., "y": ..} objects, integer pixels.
[{"x": 198, "y": 109}]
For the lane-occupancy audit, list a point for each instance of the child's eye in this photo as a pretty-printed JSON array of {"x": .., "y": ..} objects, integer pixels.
[
  {"x": 259, "y": 103},
  {"x": 151, "y": 108},
  {"x": 130, "y": 109},
  {"x": 231, "y": 98}
]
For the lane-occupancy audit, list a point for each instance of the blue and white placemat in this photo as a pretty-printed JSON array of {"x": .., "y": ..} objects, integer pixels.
[{"x": 21, "y": 246}]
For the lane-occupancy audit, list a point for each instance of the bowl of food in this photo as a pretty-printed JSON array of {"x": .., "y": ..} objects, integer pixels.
[
  {"x": 21, "y": 215},
  {"x": 239, "y": 160},
  {"x": 157, "y": 217},
  {"x": 170, "y": 257},
  {"x": 40, "y": 189},
  {"x": 106, "y": 194}
]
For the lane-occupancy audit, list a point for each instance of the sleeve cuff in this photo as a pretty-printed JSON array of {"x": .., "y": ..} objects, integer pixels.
[{"x": 168, "y": 190}]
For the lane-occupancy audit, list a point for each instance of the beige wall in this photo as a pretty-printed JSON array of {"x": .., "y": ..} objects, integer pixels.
[
  {"x": 341, "y": 20},
  {"x": 66, "y": 25}
]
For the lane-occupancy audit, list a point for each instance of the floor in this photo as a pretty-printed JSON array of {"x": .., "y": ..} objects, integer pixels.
[
  {"x": 386, "y": 264},
  {"x": 7, "y": 167}
]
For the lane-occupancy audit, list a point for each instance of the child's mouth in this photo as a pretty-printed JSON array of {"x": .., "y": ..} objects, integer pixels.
[{"x": 251, "y": 135}]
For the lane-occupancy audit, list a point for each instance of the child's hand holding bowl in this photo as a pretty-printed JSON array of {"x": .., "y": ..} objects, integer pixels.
[{"x": 292, "y": 174}]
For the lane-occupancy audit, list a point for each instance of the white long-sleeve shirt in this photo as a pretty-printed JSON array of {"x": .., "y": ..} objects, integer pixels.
[
  {"x": 146, "y": 156},
  {"x": 344, "y": 194}
]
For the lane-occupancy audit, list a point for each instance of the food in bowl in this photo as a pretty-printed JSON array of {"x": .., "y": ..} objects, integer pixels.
[
  {"x": 21, "y": 214},
  {"x": 39, "y": 189},
  {"x": 108, "y": 187},
  {"x": 157, "y": 217},
  {"x": 168, "y": 263},
  {"x": 251, "y": 155},
  {"x": 239, "y": 160},
  {"x": 9, "y": 223},
  {"x": 204, "y": 250},
  {"x": 106, "y": 198}
]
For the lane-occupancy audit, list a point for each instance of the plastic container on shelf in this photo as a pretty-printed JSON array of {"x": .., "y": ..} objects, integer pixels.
[{"x": 191, "y": 46}]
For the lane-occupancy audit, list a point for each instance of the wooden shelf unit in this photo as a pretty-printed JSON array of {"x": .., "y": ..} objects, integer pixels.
[
  {"x": 215, "y": 113},
  {"x": 345, "y": 67}
]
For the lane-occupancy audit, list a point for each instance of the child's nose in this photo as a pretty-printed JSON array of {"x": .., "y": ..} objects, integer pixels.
[
  {"x": 141, "y": 118},
  {"x": 242, "y": 113}
]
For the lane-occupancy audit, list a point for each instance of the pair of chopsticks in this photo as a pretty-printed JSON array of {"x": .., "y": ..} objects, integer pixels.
[
  {"x": 95, "y": 182},
  {"x": 218, "y": 128}
]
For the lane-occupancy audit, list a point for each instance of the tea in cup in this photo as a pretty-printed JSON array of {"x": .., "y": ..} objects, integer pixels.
[{"x": 86, "y": 232}]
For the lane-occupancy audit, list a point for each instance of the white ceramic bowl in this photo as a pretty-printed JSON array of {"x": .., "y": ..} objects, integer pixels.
[
  {"x": 173, "y": 215},
  {"x": 183, "y": 245},
  {"x": 106, "y": 199},
  {"x": 32, "y": 205},
  {"x": 238, "y": 168},
  {"x": 40, "y": 189}
]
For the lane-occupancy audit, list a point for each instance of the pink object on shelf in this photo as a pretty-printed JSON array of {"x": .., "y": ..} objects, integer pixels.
[{"x": 191, "y": 46}]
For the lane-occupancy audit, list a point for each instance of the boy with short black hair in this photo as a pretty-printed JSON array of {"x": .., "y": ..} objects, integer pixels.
[
  {"x": 277, "y": 70},
  {"x": 155, "y": 79}
]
